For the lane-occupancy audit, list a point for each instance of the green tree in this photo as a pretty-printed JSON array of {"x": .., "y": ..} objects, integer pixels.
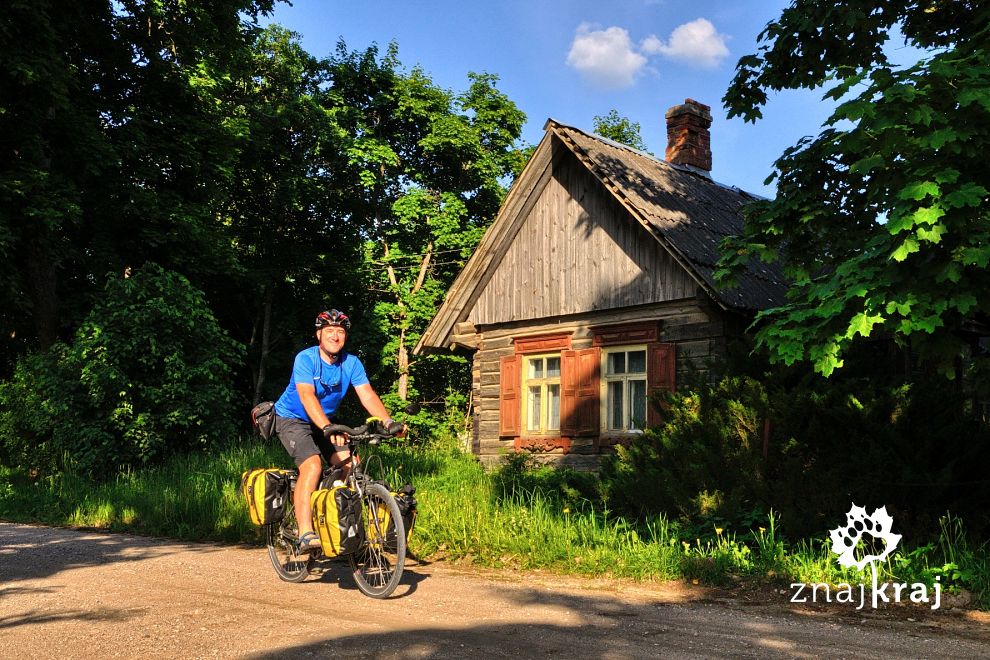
[
  {"x": 429, "y": 170},
  {"x": 881, "y": 221},
  {"x": 434, "y": 224},
  {"x": 619, "y": 129},
  {"x": 115, "y": 148},
  {"x": 293, "y": 243},
  {"x": 147, "y": 375}
]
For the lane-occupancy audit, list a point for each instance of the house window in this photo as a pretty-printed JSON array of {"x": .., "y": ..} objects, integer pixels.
[
  {"x": 624, "y": 388},
  {"x": 541, "y": 383}
]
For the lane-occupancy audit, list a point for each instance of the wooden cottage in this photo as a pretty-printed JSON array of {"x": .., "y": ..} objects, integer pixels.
[{"x": 593, "y": 288}]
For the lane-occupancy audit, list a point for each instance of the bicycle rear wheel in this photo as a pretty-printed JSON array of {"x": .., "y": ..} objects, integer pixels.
[
  {"x": 378, "y": 565},
  {"x": 283, "y": 538}
]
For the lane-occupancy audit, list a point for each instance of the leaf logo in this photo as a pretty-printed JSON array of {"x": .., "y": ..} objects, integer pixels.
[{"x": 846, "y": 538}]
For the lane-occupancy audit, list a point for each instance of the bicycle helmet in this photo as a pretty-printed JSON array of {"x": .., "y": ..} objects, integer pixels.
[{"x": 333, "y": 317}]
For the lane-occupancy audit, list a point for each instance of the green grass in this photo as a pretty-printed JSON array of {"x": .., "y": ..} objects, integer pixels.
[
  {"x": 511, "y": 518},
  {"x": 194, "y": 497}
]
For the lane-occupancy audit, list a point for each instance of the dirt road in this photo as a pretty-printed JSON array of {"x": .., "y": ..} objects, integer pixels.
[{"x": 74, "y": 594}]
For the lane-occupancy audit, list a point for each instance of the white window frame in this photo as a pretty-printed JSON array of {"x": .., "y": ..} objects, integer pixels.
[
  {"x": 624, "y": 378},
  {"x": 545, "y": 384}
]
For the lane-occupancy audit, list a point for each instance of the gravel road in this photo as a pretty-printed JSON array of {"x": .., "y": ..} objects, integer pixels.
[{"x": 78, "y": 594}]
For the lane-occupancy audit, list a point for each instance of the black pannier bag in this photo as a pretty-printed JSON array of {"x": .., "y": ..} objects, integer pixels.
[
  {"x": 407, "y": 509},
  {"x": 263, "y": 418},
  {"x": 337, "y": 519},
  {"x": 265, "y": 490}
]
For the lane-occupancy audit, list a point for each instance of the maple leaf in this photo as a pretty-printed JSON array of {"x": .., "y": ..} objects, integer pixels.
[{"x": 845, "y": 539}]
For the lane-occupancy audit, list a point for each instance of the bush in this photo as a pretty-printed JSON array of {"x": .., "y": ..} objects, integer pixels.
[
  {"x": 147, "y": 375},
  {"x": 520, "y": 473},
  {"x": 909, "y": 447},
  {"x": 703, "y": 466},
  {"x": 36, "y": 406}
]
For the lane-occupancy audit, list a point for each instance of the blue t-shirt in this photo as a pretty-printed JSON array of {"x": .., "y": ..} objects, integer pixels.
[{"x": 330, "y": 380}]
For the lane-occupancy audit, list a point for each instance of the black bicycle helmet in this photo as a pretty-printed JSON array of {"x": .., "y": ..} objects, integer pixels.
[{"x": 332, "y": 317}]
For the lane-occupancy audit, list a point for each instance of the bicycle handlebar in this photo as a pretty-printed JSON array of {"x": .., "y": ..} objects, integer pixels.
[{"x": 372, "y": 432}]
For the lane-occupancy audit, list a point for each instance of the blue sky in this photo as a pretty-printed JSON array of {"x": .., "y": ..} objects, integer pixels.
[{"x": 573, "y": 60}]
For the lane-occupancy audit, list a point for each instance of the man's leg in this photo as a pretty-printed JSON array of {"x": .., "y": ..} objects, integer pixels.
[
  {"x": 309, "y": 476},
  {"x": 342, "y": 459},
  {"x": 299, "y": 438}
]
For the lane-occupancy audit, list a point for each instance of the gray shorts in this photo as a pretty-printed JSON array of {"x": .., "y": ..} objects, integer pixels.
[{"x": 302, "y": 439}]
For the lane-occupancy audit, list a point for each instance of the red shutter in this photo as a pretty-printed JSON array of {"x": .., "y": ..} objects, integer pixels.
[
  {"x": 661, "y": 375},
  {"x": 509, "y": 399},
  {"x": 568, "y": 393},
  {"x": 579, "y": 387},
  {"x": 589, "y": 386}
]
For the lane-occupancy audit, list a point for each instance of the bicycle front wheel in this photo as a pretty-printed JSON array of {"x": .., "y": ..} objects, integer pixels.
[
  {"x": 378, "y": 565},
  {"x": 283, "y": 540}
]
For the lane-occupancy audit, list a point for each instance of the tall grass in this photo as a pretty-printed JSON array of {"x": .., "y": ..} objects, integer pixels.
[
  {"x": 193, "y": 497},
  {"x": 487, "y": 518},
  {"x": 467, "y": 514}
]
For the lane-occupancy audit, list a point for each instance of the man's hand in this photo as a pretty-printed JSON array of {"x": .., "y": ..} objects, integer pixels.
[
  {"x": 397, "y": 429},
  {"x": 334, "y": 438}
]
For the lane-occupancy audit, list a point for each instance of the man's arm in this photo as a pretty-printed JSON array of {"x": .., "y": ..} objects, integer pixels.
[
  {"x": 371, "y": 402},
  {"x": 307, "y": 395}
]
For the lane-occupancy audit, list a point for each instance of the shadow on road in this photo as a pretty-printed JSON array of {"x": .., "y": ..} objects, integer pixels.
[
  {"x": 605, "y": 626},
  {"x": 28, "y": 552},
  {"x": 339, "y": 571},
  {"x": 91, "y": 616}
]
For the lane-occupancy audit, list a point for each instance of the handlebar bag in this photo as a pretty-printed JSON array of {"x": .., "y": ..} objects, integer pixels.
[
  {"x": 265, "y": 490},
  {"x": 337, "y": 519},
  {"x": 263, "y": 418}
]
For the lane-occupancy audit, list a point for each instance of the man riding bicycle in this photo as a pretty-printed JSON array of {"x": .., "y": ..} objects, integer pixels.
[{"x": 321, "y": 375}]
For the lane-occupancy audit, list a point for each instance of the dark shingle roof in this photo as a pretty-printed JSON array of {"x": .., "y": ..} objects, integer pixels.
[{"x": 688, "y": 211}]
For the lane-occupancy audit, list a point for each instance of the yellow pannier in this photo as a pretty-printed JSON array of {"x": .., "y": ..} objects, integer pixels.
[{"x": 265, "y": 490}]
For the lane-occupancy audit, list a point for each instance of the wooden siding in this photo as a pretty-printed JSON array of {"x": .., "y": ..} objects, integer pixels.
[
  {"x": 697, "y": 333},
  {"x": 577, "y": 250}
]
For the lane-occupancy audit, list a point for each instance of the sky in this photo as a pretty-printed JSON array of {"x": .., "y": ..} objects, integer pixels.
[{"x": 574, "y": 60}]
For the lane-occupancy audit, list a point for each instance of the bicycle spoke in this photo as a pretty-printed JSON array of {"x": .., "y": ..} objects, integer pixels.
[
  {"x": 282, "y": 539},
  {"x": 378, "y": 568}
]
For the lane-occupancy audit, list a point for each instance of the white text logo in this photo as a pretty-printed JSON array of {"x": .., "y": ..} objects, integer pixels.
[{"x": 848, "y": 541}]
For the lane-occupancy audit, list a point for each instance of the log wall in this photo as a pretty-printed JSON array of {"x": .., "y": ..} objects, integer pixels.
[{"x": 698, "y": 332}]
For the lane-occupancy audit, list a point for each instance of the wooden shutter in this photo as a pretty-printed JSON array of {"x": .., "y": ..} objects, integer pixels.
[
  {"x": 661, "y": 375},
  {"x": 568, "y": 393},
  {"x": 579, "y": 388},
  {"x": 509, "y": 399}
]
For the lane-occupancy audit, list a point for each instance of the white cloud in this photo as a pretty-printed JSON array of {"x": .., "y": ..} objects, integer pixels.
[
  {"x": 606, "y": 58},
  {"x": 698, "y": 43},
  {"x": 651, "y": 45}
]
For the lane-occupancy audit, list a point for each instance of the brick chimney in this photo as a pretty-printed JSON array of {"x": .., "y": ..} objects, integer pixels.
[{"x": 688, "y": 139}]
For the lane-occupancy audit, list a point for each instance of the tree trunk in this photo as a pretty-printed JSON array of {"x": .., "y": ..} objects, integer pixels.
[
  {"x": 266, "y": 330},
  {"x": 42, "y": 281},
  {"x": 42, "y": 270},
  {"x": 403, "y": 366},
  {"x": 402, "y": 358},
  {"x": 424, "y": 266}
]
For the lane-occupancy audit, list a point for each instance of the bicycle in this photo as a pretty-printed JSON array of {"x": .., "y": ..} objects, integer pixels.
[{"x": 377, "y": 565}]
